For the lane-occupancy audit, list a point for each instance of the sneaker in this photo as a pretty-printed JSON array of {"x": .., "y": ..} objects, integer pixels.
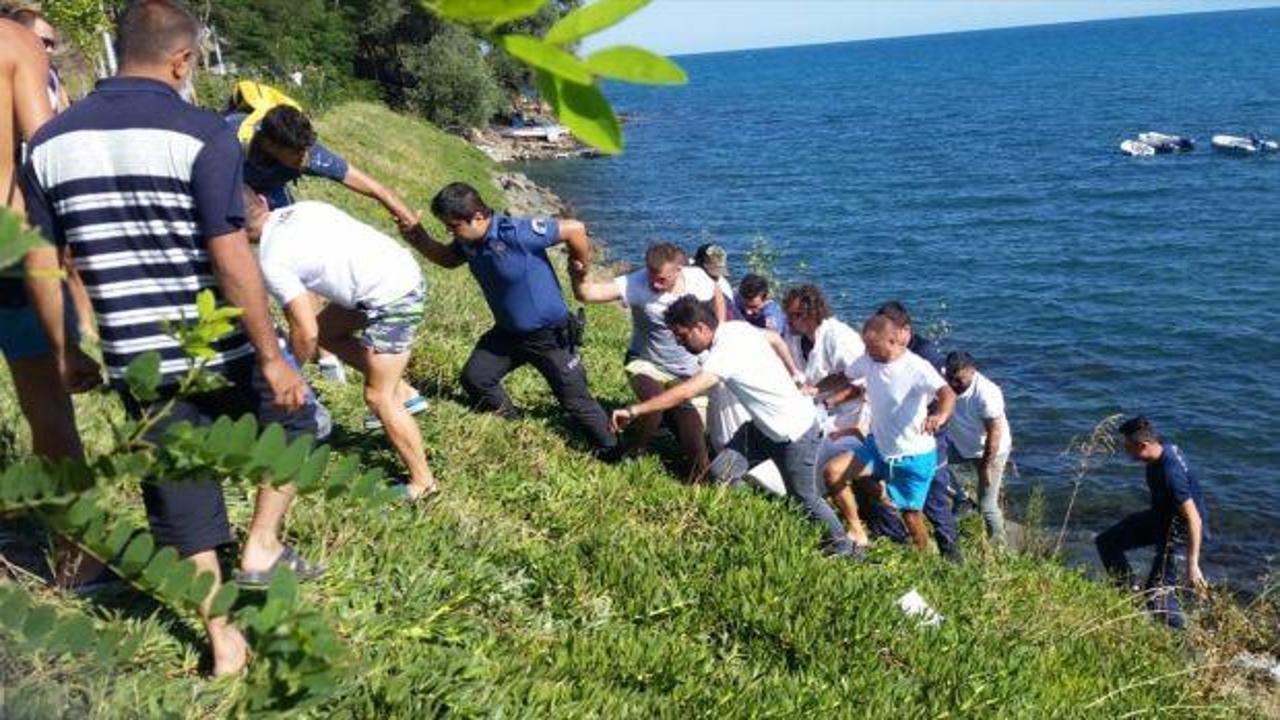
[{"x": 414, "y": 405}]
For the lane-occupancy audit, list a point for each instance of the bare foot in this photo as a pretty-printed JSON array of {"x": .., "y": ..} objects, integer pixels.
[
  {"x": 417, "y": 492},
  {"x": 230, "y": 651}
]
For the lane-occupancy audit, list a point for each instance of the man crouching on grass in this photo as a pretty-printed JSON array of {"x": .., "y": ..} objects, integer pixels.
[{"x": 375, "y": 292}]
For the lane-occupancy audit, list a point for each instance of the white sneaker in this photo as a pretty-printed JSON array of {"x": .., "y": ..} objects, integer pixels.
[{"x": 332, "y": 369}]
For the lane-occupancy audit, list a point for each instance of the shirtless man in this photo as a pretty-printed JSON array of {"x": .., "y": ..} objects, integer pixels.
[{"x": 24, "y": 107}]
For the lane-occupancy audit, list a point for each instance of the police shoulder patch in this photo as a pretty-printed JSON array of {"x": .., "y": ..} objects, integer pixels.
[{"x": 539, "y": 225}]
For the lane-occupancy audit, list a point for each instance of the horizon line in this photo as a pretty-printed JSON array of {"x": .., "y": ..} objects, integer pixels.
[{"x": 993, "y": 28}]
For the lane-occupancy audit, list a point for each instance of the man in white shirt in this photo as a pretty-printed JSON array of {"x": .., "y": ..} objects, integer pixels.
[
  {"x": 752, "y": 365},
  {"x": 900, "y": 451},
  {"x": 375, "y": 292},
  {"x": 655, "y": 361},
  {"x": 979, "y": 435}
]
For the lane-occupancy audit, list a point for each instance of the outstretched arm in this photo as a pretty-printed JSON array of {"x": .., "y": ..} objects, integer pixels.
[
  {"x": 946, "y": 402},
  {"x": 784, "y": 354},
  {"x": 367, "y": 186},
  {"x": 574, "y": 235},
  {"x": 678, "y": 395},
  {"x": 446, "y": 256}
]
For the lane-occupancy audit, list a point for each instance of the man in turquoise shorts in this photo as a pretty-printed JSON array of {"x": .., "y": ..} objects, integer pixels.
[{"x": 900, "y": 451}]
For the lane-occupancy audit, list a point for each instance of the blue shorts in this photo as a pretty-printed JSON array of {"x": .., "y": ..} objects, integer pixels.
[
  {"x": 22, "y": 337},
  {"x": 906, "y": 478}
]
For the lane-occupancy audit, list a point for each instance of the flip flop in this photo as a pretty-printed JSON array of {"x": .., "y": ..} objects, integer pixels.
[
  {"x": 260, "y": 579},
  {"x": 401, "y": 489}
]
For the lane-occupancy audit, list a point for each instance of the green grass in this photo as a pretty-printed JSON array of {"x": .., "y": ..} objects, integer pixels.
[{"x": 543, "y": 584}]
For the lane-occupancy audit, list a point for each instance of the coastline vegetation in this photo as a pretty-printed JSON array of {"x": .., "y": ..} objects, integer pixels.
[{"x": 542, "y": 583}]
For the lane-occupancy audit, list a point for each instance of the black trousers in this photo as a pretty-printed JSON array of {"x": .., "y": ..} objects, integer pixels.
[{"x": 548, "y": 350}]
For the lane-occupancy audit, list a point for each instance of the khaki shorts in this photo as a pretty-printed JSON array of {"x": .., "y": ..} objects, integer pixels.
[{"x": 644, "y": 368}]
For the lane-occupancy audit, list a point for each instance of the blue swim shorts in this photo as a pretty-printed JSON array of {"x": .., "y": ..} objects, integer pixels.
[{"x": 906, "y": 478}]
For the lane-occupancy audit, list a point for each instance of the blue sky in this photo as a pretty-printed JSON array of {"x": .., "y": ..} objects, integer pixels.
[{"x": 689, "y": 26}]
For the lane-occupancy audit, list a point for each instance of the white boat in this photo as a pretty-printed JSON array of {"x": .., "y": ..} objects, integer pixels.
[
  {"x": 552, "y": 133},
  {"x": 1164, "y": 143},
  {"x": 1136, "y": 148},
  {"x": 1236, "y": 145}
]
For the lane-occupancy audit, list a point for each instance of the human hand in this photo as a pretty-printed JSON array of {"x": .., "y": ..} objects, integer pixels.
[
  {"x": 620, "y": 419},
  {"x": 577, "y": 270},
  {"x": 405, "y": 218},
  {"x": 288, "y": 389},
  {"x": 1196, "y": 578},
  {"x": 933, "y": 424},
  {"x": 79, "y": 372},
  {"x": 809, "y": 390}
]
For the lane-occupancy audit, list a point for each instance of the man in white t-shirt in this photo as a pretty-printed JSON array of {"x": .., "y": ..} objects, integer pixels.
[
  {"x": 900, "y": 451},
  {"x": 752, "y": 365},
  {"x": 655, "y": 361},
  {"x": 979, "y": 435},
  {"x": 376, "y": 294}
]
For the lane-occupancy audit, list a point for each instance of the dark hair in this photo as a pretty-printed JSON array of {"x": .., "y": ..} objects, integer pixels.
[
  {"x": 959, "y": 360},
  {"x": 662, "y": 253},
  {"x": 812, "y": 302},
  {"x": 1139, "y": 430},
  {"x": 878, "y": 323},
  {"x": 753, "y": 286},
  {"x": 151, "y": 29},
  {"x": 689, "y": 311},
  {"x": 458, "y": 202},
  {"x": 700, "y": 256},
  {"x": 895, "y": 311},
  {"x": 26, "y": 17},
  {"x": 288, "y": 127}
]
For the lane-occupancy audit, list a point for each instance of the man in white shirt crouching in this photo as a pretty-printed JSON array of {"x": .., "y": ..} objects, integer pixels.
[
  {"x": 900, "y": 451},
  {"x": 782, "y": 427},
  {"x": 376, "y": 295},
  {"x": 979, "y": 435}
]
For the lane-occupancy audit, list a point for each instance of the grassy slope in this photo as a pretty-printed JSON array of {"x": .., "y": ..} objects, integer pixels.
[{"x": 542, "y": 583}]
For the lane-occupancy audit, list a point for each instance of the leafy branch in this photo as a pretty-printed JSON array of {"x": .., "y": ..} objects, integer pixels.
[{"x": 567, "y": 82}]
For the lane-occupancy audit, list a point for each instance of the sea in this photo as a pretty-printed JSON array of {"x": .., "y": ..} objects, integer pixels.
[{"x": 977, "y": 178}]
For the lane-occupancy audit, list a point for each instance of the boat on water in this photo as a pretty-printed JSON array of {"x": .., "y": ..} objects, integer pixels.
[
  {"x": 1156, "y": 143},
  {"x": 551, "y": 133},
  {"x": 1246, "y": 145}
]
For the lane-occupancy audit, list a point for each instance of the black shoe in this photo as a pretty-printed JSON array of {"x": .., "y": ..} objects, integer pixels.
[
  {"x": 610, "y": 455},
  {"x": 953, "y": 556},
  {"x": 964, "y": 508}
]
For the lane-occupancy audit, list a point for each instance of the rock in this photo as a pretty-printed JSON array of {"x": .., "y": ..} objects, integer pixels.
[{"x": 525, "y": 197}]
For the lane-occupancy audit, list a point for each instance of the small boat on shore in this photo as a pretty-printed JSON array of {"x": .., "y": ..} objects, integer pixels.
[
  {"x": 1248, "y": 145},
  {"x": 550, "y": 133}
]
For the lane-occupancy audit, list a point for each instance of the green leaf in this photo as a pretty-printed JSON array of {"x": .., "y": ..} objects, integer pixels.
[
  {"x": 287, "y": 464},
  {"x": 137, "y": 554},
  {"x": 198, "y": 590},
  {"x": 308, "y": 477},
  {"x": 491, "y": 12},
  {"x": 635, "y": 65},
  {"x": 81, "y": 512},
  {"x": 223, "y": 600},
  {"x": 160, "y": 565},
  {"x": 546, "y": 57},
  {"x": 118, "y": 538},
  {"x": 39, "y": 622},
  {"x": 143, "y": 376},
  {"x": 73, "y": 634},
  {"x": 270, "y": 446},
  {"x": 584, "y": 109},
  {"x": 205, "y": 304},
  {"x": 590, "y": 19},
  {"x": 178, "y": 578},
  {"x": 15, "y": 241},
  {"x": 243, "y": 435},
  {"x": 283, "y": 588},
  {"x": 13, "y": 606}
]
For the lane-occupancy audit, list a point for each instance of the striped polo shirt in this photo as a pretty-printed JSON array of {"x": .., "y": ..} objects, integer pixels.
[{"x": 135, "y": 182}]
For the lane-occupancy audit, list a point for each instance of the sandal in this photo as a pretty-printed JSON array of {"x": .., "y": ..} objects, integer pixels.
[{"x": 288, "y": 558}]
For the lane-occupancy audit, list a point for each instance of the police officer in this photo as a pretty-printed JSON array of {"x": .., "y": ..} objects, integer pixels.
[{"x": 508, "y": 258}]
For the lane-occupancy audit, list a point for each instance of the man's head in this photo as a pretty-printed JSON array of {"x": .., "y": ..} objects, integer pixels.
[
  {"x": 256, "y": 213},
  {"x": 897, "y": 312},
  {"x": 753, "y": 291},
  {"x": 960, "y": 370},
  {"x": 883, "y": 339},
  {"x": 1140, "y": 439},
  {"x": 285, "y": 136},
  {"x": 662, "y": 263},
  {"x": 158, "y": 39},
  {"x": 462, "y": 211},
  {"x": 693, "y": 323},
  {"x": 35, "y": 22},
  {"x": 806, "y": 308},
  {"x": 712, "y": 259}
]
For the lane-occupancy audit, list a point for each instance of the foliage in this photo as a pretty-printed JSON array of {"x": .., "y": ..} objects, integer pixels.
[
  {"x": 296, "y": 652},
  {"x": 452, "y": 85},
  {"x": 566, "y": 82},
  {"x": 78, "y": 21}
]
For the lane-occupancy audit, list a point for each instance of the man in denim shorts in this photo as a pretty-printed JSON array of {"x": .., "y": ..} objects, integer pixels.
[{"x": 375, "y": 293}]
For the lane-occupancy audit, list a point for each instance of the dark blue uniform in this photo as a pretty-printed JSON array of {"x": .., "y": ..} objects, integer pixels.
[
  {"x": 1171, "y": 483},
  {"x": 531, "y": 323},
  {"x": 271, "y": 179}
]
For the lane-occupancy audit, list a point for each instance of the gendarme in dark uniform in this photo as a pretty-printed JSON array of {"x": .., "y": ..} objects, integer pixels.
[{"x": 532, "y": 324}]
